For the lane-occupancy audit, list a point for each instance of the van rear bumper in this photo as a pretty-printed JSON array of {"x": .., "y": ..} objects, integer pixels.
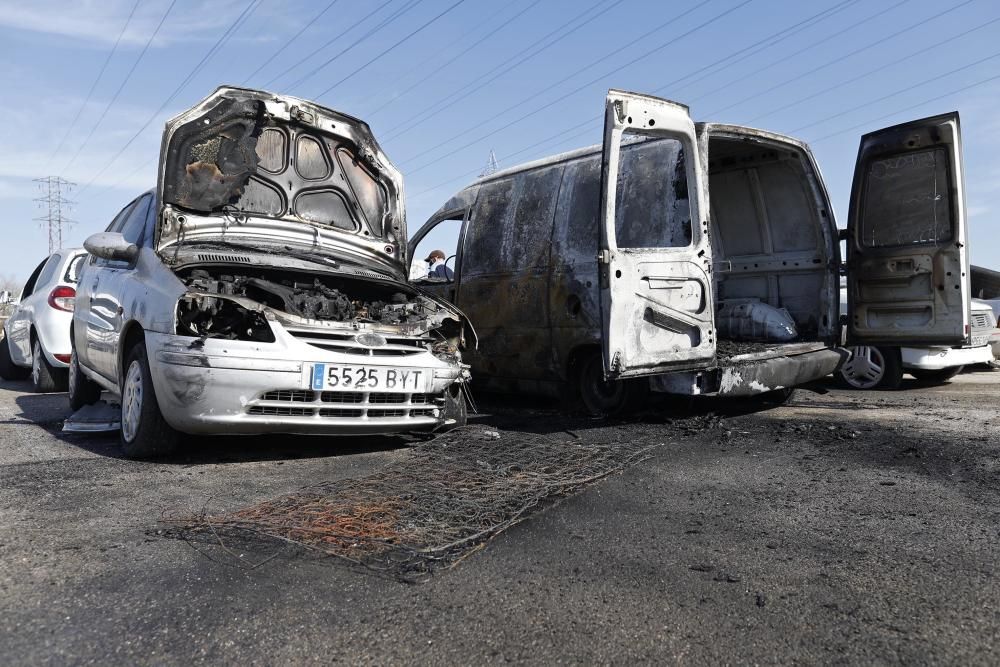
[{"x": 758, "y": 377}]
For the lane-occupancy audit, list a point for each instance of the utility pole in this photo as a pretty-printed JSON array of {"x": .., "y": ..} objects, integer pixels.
[
  {"x": 55, "y": 206},
  {"x": 492, "y": 166}
]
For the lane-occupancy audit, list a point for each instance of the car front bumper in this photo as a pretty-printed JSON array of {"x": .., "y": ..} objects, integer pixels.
[
  {"x": 939, "y": 358},
  {"x": 237, "y": 387}
]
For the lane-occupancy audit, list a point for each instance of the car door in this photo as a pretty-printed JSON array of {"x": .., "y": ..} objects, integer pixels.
[
  {"x": 99, "y": 308},
  {"x": 654, "y": 264},
  {"x": 18, "y": 325},
  {"x": 907, "y": 251}
]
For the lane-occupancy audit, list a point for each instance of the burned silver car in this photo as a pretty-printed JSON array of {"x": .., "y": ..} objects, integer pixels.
[
  {"x": 261, "y": 287},
  {"x": 700, "y": 259}
]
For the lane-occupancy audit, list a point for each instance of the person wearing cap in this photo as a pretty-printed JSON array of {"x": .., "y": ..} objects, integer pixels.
[{"x": 438, "y": 268}]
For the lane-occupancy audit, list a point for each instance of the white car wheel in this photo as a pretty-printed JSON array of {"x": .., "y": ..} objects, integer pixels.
[
  {"x": 865, "y": 369},
  {"x": 132, "y": 401}
]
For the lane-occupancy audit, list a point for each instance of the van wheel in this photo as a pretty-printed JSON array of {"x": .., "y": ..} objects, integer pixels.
[
  {"x": 82, "y": 390},
  {"x": 144, "y": 432},
  {"x": 455, "y": 407},
  {"x": 607, "y": 398},
  {"x": 937, "y": 376},
  {"x": 8, "y": 369},
  {"x": 45, "y": 378},
  {"x": 872, "y": 367}
]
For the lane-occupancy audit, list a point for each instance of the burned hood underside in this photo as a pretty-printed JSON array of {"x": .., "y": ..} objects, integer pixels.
[{"x": 261, "y": 169}]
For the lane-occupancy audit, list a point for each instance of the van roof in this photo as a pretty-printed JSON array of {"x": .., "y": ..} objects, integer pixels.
[{"x": 597, "y": 148}]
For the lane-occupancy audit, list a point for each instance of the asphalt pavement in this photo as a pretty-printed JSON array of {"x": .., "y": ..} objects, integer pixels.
[{"x": 844, "y": 527}]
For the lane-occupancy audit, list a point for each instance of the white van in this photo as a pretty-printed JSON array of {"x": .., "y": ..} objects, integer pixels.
[{"x": 602, "y": 271}]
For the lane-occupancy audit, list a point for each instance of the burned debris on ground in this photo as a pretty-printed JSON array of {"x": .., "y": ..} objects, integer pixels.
[{"x": 430, "y": 510}]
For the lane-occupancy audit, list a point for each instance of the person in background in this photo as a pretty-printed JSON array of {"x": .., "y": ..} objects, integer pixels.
[{"x": 438, "y": 268}]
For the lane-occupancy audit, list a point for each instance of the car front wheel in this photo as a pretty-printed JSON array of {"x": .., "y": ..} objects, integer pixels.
[{"x": 144, "y": 432}]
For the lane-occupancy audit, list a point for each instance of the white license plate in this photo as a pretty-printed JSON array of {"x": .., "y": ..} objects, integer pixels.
[{"x": 348, "y": 377}]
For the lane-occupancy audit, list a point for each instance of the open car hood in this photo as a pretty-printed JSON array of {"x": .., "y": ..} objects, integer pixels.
[{"x": 256, "y": 169}]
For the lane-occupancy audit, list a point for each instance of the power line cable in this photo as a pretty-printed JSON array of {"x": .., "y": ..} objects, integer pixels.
[
  {"x": 93, "y": 86},
  {"x": 536, "y": 110},
  {"x": 440, "y": 67},
  {"x": 909, "y": 108},
  {"x": 219, "y": 43},
  {"x": 810, "y": 72},
  {"x": 921, "y": 51},
  {"x": 118, "y": 92},
  {"x": 326, "y": 43},
  {"x": 290, "y": 41},
  {"x": 504, "y": 67},
  {"x": 922, "y": 82},
  {"x": 799, "y": 52},
  {"x": 389, "y": 50},
  {"x": 816, "y": 18},
  {"x": 389, "y": 19}
]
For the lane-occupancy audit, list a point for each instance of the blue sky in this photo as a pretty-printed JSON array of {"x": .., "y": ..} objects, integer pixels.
[{"x": 453, "y": 81}]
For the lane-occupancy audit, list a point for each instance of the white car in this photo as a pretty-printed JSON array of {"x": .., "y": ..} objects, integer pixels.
[
  {"x": 36, "y": 335},
  {"x": 883, "y": 366},
  {"x": 262, "y": 287}
]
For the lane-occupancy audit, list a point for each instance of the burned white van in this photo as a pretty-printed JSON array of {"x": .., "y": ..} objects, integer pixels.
[{"x": 605, "y": 270}]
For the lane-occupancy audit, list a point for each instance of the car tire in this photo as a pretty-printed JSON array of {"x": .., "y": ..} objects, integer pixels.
[
  {"x": 44, "y": 377},
  {"x": 144, "y": 434},
  {"x": 871, "y": 367},
  {"x": 937, "y": 376},
  {"x": 82, "y": 390},
  {"x": 8, "y": 369},
  {"x": 606, "y": 398},
  {"x": 455, "y": 408}
]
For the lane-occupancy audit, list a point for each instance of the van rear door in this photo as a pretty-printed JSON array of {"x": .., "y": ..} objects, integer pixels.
[
  {"x": 655, "y": 259},
  {"x": 907, "y": 250}
]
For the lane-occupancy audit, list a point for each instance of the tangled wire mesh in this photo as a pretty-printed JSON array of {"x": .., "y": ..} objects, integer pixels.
[{"x": 432, "y": 509}]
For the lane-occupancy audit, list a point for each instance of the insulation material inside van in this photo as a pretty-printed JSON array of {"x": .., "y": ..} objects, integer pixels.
[{"x": 754, "y": 321}]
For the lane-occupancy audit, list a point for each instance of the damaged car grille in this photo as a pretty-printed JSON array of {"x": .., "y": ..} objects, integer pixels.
[
  {"x": 374, "y": 405},
  {"x": 348, "y": 344}
]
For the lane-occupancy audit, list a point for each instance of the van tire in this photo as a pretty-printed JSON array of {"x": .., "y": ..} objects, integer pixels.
[
  {"x": 144, "y": 434},
  {"x": 455, "y": 407},
  {"x": 606, "y": 398},
  {"x": 937, "y": 376},
  {"x": 8, "y": 369},
  {"x": 82, "y": 390},
  {"x": 44, "y": 377}
]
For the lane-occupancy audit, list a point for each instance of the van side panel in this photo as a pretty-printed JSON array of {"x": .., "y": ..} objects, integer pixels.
[
  {"x": 505, "y": 274},
  {"x": 574, "y": 300}
]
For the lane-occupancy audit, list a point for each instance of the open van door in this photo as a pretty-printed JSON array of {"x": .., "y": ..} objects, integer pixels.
[
  {"x": 655, "y": 259},
  {"x": 907, "y": 251}
]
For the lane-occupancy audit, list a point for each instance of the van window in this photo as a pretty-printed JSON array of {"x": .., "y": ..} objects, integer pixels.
[
  {"x": 443, "y": 237},
  {"x": 652, "y": 208},
  {"x": 525, "y": 239},
  {"x": 493, "y": 205},
  {"x": 583, "y": 232},
  {"x": 907, "y": 200}
]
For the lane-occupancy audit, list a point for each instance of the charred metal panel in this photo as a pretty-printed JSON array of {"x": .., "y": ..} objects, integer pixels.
[
  {"x": 212, "y": 157},
  {"x": 908, "y": 277},
  {"x": 758, "y": 377},
  {"x": 505, "y": 274}
]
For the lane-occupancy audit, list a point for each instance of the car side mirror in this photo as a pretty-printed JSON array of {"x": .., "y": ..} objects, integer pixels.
[{"x": 111, "y": 246}]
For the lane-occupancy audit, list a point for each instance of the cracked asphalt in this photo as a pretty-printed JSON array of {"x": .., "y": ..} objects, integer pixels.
[{"x": 844, "y": 527}]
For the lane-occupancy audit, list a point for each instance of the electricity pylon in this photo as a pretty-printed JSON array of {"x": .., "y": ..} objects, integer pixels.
[
  {"x": 55, "y": 206},
  {"x": 492, "y": 166}
]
